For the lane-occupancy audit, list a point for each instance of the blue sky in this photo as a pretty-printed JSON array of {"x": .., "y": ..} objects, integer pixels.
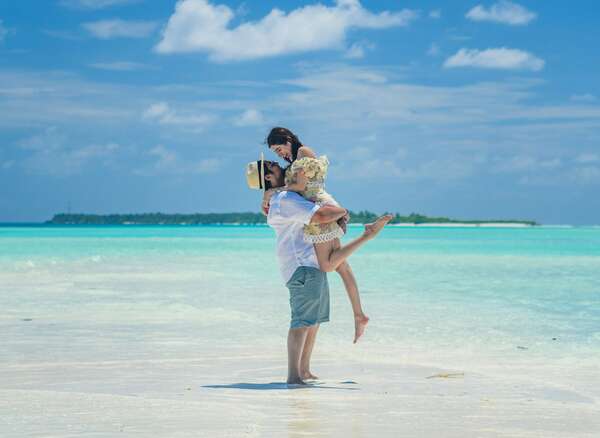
[{"x": 467, "y": 109}]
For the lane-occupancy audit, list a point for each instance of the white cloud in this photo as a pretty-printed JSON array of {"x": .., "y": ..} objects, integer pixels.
[
  {"x": 53, "y": 153},
  {"x": 95, "y": 4},
  {"x": 435, "y": 14},
  {"x": 209, "y": 165},
  {"x": 586, "y": 175},
  {"x": 358, "y": 50},
  {"x": 3, "y": 31},
  {"x": 35, "y": 100},
  {"x": 527, "y": 163},
  {"x": 62, "y": 34},
  {"x": 250, "y": 117},
  {"x": 168, "y": 161},
  {"x": 355, "y": 51},
  {"x": 8, "y": 164},
  {"x": 119, "y": 66},
  {"x": 163, "y": 114},
  {"x": 200, "y": 26},
  {"x": 505, "y": 12},
  {"x": 584, "y": 98},
  {"x": 434, "y": 122},
  {"x": 117, "y": 28},
  {"x": 434, "y": 50},
  {"x": 501, "y": 58},
  {"x": 165, "y": 159},
  {"x": 427, "y": 169},
  {"x": 587, "y": 158}
]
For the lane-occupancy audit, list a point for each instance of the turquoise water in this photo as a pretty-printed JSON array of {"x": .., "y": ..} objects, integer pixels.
[{"x": 452, "y": 295}]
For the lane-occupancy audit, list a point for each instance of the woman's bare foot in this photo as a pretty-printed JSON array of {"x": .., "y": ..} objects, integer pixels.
[
  {"x": 371, "y": 230},
  {"x": 307, "y": 375},
  {"x": 360, "y": 324}
]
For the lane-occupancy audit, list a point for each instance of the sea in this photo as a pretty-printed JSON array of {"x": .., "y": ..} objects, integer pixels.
[
  {"x": 170, "y": 330},
  {"x": 461, "y": 293}
]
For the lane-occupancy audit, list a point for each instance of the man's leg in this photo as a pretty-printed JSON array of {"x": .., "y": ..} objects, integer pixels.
[
  {"x": 295, "y": 345},
  {"x": 309, "y": 344}
]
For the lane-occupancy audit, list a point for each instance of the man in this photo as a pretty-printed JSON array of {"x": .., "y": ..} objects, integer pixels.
[{"x": 288, "y": 212}]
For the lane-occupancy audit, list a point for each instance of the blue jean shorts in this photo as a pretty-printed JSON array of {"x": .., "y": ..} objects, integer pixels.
[{"x": 309, "y": 297}]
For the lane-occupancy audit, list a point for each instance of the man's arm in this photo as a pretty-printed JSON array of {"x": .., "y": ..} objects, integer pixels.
[{"x": 327, "y": 214}]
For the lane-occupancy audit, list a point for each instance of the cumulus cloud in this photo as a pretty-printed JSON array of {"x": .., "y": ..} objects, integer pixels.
[
  {"x": 501, "y": 58},
  {"x": 504, "y": 12},
  {"x": 162, "y": 113},
  {"x": 435, "y": 14},
  {"x": 200, "y": 26},
  {"x": 95, "y": 4},
  {"x": 117, "y": 28}
]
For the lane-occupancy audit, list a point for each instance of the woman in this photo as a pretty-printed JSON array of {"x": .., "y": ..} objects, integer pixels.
[{"x": 306, "y": 175}]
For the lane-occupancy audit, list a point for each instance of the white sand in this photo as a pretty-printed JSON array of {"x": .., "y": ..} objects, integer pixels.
[{"x": 230, "y": 395}]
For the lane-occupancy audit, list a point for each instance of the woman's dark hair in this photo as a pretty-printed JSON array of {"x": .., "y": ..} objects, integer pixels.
[{"x": 280, "y": 135}]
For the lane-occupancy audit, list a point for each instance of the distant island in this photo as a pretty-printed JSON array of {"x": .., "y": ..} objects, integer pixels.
[{"x": 361, "y": 217}]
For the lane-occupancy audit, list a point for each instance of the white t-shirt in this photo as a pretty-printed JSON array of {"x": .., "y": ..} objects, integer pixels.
[{"x": 288, "y": 213}]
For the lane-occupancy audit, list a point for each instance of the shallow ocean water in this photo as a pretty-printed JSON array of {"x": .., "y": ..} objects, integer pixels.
[
  {"x": 483, "y": 291},
  {"x": 509, "y": 303}
]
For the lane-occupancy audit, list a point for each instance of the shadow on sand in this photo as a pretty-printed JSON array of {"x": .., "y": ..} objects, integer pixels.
[{"x": 275, "y": 386}]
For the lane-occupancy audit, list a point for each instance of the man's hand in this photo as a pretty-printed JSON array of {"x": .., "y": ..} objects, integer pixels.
[{"x": 266, "y": 199}]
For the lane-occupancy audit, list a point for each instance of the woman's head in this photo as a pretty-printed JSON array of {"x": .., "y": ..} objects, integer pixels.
[{"x": 284, "y": 143}]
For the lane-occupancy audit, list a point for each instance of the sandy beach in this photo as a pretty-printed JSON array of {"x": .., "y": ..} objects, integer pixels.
[{"x": 234, "y": 393}]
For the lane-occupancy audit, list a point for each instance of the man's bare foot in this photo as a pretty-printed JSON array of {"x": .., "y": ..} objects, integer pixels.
[
  {"x": 360, "y": 324},
  {"x": 307, "y": 375},
  {"x": 371, "y": 230},
  {"x": 296, "y": 381}
]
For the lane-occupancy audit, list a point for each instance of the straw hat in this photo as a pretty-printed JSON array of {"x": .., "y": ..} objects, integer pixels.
[{"x": 255, "y": 174}]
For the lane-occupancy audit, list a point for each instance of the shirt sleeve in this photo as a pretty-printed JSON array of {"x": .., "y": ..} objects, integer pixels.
[{"x": 295, "y": 208}]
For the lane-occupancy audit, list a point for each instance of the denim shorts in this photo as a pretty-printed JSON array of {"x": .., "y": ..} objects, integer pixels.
[{"x": 309, "y": 297}]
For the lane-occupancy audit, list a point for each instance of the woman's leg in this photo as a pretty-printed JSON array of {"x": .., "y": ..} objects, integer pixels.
[
  {"x": 323, "y": 251},
  {"x": 331, "y": 255},
  {"x": 360, "y": 319}
]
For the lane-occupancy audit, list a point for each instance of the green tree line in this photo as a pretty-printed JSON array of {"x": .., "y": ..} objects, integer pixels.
[{"x": 249, "y": 218}]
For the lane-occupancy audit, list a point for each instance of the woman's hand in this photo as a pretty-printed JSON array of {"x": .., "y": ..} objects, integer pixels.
[{"x": 343, "y": 222}]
